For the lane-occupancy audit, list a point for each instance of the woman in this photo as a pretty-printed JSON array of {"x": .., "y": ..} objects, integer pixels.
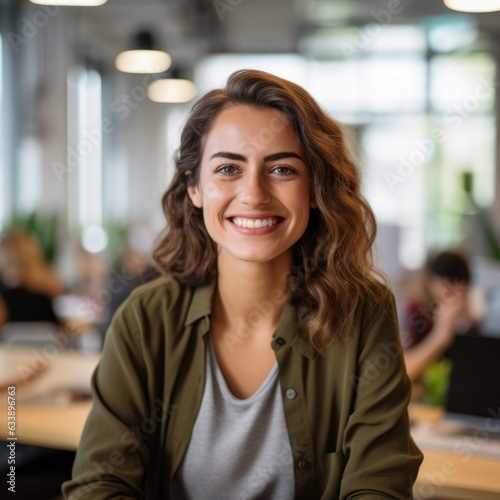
[
  {"x": 266, "y": 364},
  {"x": 28, "y": 284},
  {"x": 449, "y": 307}
]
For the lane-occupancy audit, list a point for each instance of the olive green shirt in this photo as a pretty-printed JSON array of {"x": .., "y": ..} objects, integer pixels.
[{"x": 346, "y": 412}]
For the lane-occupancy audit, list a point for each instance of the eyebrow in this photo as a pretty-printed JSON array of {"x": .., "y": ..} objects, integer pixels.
[{"x": 271, "y": 157}]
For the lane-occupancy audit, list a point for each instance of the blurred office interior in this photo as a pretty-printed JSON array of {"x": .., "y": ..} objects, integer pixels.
[{"x": 86, "y": 153}]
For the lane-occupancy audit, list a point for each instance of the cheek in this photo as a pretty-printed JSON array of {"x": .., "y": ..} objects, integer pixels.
[{"x": 213, "y": 192}]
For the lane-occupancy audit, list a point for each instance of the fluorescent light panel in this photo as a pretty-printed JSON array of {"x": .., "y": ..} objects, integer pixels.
[
  {"x": 143, "y": 61},
  {"x": 70, "y": 3},
  {"x": 172, "y": 90},
  {"x": 473, "y": 5}
]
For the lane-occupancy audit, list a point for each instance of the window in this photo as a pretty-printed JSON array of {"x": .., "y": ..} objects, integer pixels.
[
  {"x": 84, "y": 169},
  {"x": 3, "y": 159},
  {"x": 424, "y": 121}
]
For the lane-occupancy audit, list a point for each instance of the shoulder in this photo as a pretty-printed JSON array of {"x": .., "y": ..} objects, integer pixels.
[
  {"x": 162, "y": 296},
  {"x": 376, "y": 319},
  {"x": 163, "y": 289}
]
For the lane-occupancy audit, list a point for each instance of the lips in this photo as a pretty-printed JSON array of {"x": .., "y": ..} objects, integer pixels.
[{"x": 252, "y": 223}]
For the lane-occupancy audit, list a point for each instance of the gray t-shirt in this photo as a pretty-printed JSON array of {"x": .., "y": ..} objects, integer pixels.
[{"x": 239, "y": 448}]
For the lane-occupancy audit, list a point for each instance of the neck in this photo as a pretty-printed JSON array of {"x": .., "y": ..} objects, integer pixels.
[{"x": 251, "y": 296}]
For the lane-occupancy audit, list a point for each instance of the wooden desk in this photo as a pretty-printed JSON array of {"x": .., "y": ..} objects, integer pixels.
[
  {"x": 14, "y": 369},
  {"x": 454, "y": 475},
  {"x": 48, "y": 412},
  {"x": 58, "y": 423}
]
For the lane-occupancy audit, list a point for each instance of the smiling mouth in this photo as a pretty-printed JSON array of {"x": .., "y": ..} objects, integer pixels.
[{"x": 255, "y": 223}]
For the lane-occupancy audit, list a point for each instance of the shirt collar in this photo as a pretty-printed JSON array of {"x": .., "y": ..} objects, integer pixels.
[
  {"x": 201, "y": 303},
  {"x": 201, "y": 307}
]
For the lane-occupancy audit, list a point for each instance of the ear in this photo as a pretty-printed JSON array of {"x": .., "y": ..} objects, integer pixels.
[{"x": 195, "y": 195}]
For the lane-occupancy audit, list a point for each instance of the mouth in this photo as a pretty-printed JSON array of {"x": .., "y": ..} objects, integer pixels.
[{"x": 256, "y": 223}]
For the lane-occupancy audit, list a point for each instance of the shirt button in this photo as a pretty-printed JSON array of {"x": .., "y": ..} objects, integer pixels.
[
  {"x": 291, "y": 393},
  {"x": 302, "y": 464},
  {"x": 280, "y": 341}
]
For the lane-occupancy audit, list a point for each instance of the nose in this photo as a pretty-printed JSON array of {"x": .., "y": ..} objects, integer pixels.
[{"x": 254, "y": 188}]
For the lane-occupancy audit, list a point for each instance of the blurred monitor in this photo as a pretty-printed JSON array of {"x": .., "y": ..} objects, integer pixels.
[
  {"x": 471, "y": 424},
  {"x": 474, "y": 386}
]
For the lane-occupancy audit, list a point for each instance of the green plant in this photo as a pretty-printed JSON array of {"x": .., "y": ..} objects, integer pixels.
[{"x": 45, "y": 227}]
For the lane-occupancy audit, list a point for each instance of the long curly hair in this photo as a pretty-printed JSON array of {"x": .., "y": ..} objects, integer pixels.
[{"x": 332, "y": 268}]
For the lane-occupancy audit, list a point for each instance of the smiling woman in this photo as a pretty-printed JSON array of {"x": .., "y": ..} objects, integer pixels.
[
  {"x": 264, "y": 194},
  {"x": 247, "y": 372}
]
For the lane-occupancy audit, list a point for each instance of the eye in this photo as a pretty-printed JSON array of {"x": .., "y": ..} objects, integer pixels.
[
  {"x": 227, "y": 169},
  {"x": 283, "y": 170}
]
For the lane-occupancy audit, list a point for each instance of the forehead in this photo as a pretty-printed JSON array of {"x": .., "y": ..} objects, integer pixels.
[{"x": 251, "y": 129}]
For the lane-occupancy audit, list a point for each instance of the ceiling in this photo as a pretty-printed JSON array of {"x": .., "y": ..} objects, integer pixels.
[{"x": 188, "y": 29}]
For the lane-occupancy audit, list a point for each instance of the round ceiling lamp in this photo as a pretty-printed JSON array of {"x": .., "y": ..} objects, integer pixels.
[
  {"x": 473, "y": 5},
  {"x": 143, "y": 58},
  {"x": 70, "y": 3},
  {"x": 169, "y": 88}
]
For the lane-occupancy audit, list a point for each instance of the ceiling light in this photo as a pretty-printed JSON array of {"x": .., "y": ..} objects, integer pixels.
[
  {"x": 70, "y": 3},
  {"x": 473, "y": 5},
  {"x": 172, "y": 90},
  {"x": 143, "y": 58},
  {"x": 169, "y": 88}
]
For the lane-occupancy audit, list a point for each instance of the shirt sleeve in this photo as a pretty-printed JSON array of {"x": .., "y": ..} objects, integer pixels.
[
  {"x": 382, "y": 461},
  {"x": 112, "y": 456}
]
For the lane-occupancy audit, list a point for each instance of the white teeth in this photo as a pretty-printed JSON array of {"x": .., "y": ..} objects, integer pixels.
[{"x": 254, "y": 223}]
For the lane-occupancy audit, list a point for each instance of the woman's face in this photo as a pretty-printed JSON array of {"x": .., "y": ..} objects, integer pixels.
[{"x": 253, "y": 185}]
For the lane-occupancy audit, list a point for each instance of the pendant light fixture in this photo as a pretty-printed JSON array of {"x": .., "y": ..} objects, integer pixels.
[
  {"x": 143, "y": 58},
  {"x": 473, "y": 5},
  {"x": 171, "y": 88},
  {"x": 70, "y": 3}
]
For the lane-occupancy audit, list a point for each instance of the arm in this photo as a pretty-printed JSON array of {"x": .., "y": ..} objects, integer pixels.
[
  {"x": 111, "y": 460},
  {"x": 382, "y": 461},
  {"x": 440, "y": 337},
  {"x": 42, "y": 279},
  {"x": 418, "y": 358}
]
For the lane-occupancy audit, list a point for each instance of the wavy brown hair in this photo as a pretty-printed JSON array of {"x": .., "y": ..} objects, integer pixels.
[{"x": 332, "y": 269}]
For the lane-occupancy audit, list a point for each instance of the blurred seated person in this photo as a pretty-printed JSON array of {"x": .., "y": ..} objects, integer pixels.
[
  {"x": 27, "y": 282},
  {"x": 27, "y": 287},
  {"x": 448, "y": 307}
]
